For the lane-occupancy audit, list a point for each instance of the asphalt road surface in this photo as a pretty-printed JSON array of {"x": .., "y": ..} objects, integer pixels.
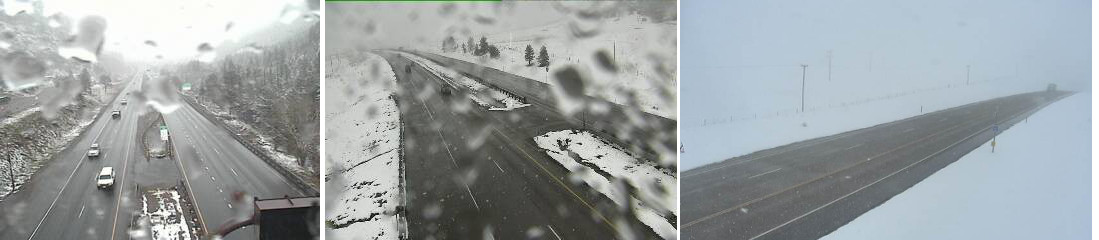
[
  {"x": 808, "y": 189},
  {"x": 470, "y": 171},
  {"x": 61, "y": 200},
  {"x": 217, "y": 165}
]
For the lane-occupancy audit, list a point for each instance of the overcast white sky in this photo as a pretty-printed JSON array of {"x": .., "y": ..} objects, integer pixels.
[
  {"x": 725, "y": 42},
  {"x": 177, "y": 26},
  {"x": 406, "y": 24},
  {"x": 742, "y": 58}
]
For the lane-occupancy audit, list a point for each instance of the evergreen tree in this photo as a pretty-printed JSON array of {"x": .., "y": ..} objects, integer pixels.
[
  {"x": 543, "y": 58},
  {"x": 529, "y": 55},
  {"x": 471, "y": 47}
]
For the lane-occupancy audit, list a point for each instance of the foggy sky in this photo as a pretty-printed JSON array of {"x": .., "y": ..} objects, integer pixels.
[
  {"x": 392, "y": 25},
  {"x": 731, "y": 47}
]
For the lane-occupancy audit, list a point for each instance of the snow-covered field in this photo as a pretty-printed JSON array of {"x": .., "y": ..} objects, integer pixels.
[
  {"x": 165, "y": 215},
  {"x": 656, "y": 195},
  {"x": 763, "y": 114},
  {"x": 491, "y": 98},
  {"x": 1037, "y": 185},
  {"x": 363, "y": 168},
  {"x": 644, "y": 54}
]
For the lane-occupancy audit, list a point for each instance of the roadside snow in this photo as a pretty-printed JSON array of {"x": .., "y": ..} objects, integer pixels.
[
  {"x": 19, "y": 116},
  {"x": 363, "y": 152},
  {"x": 588, "y": 157},
  {"x": 640, "y": 49},
  {"x": 495, "y": 97},
  {"x": 165, "y": 216},
  {"x": 1037, "y": 185}
]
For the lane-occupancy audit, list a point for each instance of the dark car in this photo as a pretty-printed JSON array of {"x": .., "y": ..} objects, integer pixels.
[{"x": 116, "y": 114}]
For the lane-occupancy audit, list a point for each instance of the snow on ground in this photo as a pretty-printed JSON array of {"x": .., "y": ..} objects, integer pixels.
[
  {"x": 1037, "y": 185},
  {"x": 657, "y": 189},
  {"x": 19, "y": 116},
  {"x": 165, "y": 215},
  {"x": 363, "y": 153},
  {"x": 497, "y": 100},
  {"x": 285, "y": 160},
  {"x": 644, "y": 53},
  {"x": 764, "y": 113}
]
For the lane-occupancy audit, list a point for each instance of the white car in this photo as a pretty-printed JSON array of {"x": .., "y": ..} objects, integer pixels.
[
  {"x": 123, "y": 101},
  {"x": 105, "y": 178},
  {"x": 93, "y": 151}
]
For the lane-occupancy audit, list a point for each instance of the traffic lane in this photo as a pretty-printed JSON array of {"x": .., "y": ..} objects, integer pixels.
[
  {"x": 242, "y": 165},
  {"x": 509, "y": 204},
  {"x": 822, "y": 222},
  {"x": 209, "y": 196},
  {"x": 761, "y": 216},
  {"x": 56, "y": 205},
  {"x": 566, "y": 216},
  {"x": 980, "y": 132},
  {"x": 763, "y": 175}
]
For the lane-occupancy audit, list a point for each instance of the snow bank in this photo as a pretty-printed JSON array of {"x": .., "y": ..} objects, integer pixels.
[
  {"x": 363, "y": 151},
  {"x": 598, "y": 158},
  {"x": 643, "y": 52},
  {"x": 765, "y": 117},
  {"x": 165, "y": 215},
  {"x": 1035, "y": 186},
  {"x": 497, "y": 100}
]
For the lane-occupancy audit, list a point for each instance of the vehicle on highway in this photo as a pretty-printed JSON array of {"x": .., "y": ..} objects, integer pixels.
[
  {"x": 4, "y": 99},
  {"x": 93, "y": 151},
  {"x": 408, "y": 69},
  {"x": 445, "y": 90},
  {"x": 116, "y": 114},
  {"x": 123, "y": 101},
  {"x": 105, "y": 178}
]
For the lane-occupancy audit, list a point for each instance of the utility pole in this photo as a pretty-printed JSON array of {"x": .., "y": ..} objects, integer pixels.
[
  {"x": 803, "y": 67},
  {"x": 966, "y": 74},
  {"x": 829, "y": 65}
]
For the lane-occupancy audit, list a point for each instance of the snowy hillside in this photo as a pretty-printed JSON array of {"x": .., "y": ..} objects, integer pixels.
[
  {"x": 627, "y": 58},
  {"x": 1035, "y": 186},
  {"x": 363, "y": 154}
]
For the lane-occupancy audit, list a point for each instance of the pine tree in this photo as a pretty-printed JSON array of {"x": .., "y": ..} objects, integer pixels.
[
  {"x": 529, "y": 55},
  {"x": 543, "y": 58}
]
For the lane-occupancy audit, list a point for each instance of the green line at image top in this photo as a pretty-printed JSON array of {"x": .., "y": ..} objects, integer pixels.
[{"x": 425, "y": 1}]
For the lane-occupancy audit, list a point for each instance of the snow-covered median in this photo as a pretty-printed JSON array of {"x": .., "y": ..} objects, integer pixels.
[
  {"x": 1037, "y": 185},
  {"x": 596, "y": 162},
  {"x": 491, "y": 98},
  {"x": 363, "y": 153},
  {"x": 163, "y": 209}
]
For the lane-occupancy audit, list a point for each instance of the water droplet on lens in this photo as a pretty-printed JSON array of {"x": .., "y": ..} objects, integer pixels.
[
  {"x": 21, "y": 70},
  {"x": 88, "y": 41},
  {"x": 206, "y": 53}
]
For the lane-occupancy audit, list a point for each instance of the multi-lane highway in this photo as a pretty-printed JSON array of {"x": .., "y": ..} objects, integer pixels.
[
  {"x": 807, "y": 189},
  {"x": 471, "y": 172},
  {"x": 216, "y": 165},
  {"x": 61, "y": 200}
]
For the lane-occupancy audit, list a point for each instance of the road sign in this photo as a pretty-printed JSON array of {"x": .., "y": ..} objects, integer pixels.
[
  {"x": 996, "y": 128},
  {"x": 186, "y": 87},
  {"x": 163, "y": 133}
]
